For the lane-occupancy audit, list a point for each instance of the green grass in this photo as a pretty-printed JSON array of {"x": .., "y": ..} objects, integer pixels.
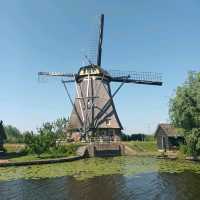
[
  {"x": 25, "y": 158},
  {"x": 15, "y": 152},
  {"x": 31, "y": 157},
  {"x": 143, "y": 147},
  {"x": 14, "y": 147}
]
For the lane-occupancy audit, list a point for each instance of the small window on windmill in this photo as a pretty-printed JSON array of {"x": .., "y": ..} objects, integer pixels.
[
  {"x": 108, "y": 121},
  {"x": 89, "y": 104},
  {"x": 93, "y": 71}
]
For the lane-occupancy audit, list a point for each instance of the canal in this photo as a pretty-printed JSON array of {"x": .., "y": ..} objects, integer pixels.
[{"x": 97, "y": 178}]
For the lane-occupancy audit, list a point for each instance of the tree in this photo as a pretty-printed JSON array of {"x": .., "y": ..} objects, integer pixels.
[
  {"x": 3, "y": 136},
  {"x": 39, "y": 143},
  {"x": 185, "y": 106},
  {"x": 46, "y": 137},
  {"x": 13, "y": 134},
  {"x": 184, "y": 111},
  {"x": 60, "y": 127},
  {"x": 193, "y": 142}
]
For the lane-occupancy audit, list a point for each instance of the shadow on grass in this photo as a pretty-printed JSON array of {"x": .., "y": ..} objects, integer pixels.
[{"x": 10, "y": 155}]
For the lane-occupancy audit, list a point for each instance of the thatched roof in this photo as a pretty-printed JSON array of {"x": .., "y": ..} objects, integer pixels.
[{"x": 169, "y": 130}]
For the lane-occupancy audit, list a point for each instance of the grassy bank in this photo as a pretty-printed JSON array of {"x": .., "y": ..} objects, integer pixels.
[
  {"x": 17, "y": 153},
  {"x": 149, "y": 148},
  {"x": 142, "y": 148},
  {"x": 134, "y": 148},
  {"x": 14, "y": 147}
]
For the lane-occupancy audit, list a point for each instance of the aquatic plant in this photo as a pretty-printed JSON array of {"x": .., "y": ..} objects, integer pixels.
[{"x": 88, "y": 168}]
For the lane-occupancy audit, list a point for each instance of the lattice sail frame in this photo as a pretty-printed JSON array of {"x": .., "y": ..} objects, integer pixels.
[{"x": 149, "y": 78}]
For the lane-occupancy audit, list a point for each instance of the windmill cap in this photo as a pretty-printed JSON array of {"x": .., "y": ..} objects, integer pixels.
[{"x": 93, "y": 70}]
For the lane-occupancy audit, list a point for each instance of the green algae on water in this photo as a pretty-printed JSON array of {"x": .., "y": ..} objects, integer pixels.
[{"x": 88, "y": 168}]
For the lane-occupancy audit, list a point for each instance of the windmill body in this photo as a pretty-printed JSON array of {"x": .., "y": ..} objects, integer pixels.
[
  {"x": 94, "y": 112},
  {"x": 94, "y": 109}
]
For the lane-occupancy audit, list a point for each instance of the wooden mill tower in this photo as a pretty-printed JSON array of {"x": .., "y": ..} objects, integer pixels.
[{"x": 94, "y": 111}]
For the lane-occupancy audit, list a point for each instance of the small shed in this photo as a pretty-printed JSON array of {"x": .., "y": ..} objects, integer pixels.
[{"x": 168, "y": 137}]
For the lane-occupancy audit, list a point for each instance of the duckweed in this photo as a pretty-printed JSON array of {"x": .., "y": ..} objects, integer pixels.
[{"x": 88, "y": 168}]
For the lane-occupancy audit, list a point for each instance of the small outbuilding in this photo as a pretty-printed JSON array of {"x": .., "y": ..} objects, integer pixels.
[{"x": 168, "y": 137}]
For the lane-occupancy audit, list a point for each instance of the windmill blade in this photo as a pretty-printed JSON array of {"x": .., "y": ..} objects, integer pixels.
[
  {"x": 61, "y": 74},
  {"x": 100, "y": 40},
  {"x": 42, "y": 76},
  {"x": 147, "y": 78},
  {"x": 68, "y": 81}
]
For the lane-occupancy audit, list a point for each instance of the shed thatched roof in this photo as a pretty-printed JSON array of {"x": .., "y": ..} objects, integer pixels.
[{"x": 169, "y": 130}]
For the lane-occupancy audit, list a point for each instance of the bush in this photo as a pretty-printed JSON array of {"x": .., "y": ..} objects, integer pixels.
[
  {"x": 193, "y": 142},
  {"x": 45, "y": 142},
  {"x": 59, "y": 151},
  {"x": 63, "y": 150},
  {"x": 183, "y": 148},
  {"x": 13, "y": 135},
  {"x": 40, "y": 143}
]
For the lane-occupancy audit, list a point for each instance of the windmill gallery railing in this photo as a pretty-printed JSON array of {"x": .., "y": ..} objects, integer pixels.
[{"x": 104, "y": 139}]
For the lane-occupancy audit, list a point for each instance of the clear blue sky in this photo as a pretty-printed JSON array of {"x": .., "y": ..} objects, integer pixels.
[{"x": 49, "y": 35}]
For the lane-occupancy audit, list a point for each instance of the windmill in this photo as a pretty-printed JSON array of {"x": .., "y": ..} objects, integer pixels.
[{"x": 93, "y": 108}]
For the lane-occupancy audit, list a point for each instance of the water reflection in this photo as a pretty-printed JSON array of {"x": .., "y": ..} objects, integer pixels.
[{"x": 144, "y": 186}]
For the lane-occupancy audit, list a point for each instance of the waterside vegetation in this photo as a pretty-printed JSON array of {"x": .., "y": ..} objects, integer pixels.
[
  {"x": 45, "y": 144},
  {"x": 141, "y": 148},
  {"x": 185, "y": 113},
  {"x": 18, "y": 153},
  {"x": 89, "y": 168}
]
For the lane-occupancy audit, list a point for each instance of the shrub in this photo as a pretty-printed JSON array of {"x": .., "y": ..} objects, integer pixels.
[
  {"x": 193, "y": 142},
  {"x": 63, "y": 150},
  {"x": 39, "y": 143},
  {"x": 13, "y": 135},
  {"x": 183, "y": 148}
]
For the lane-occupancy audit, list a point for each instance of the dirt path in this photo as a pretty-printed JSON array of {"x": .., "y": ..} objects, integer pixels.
[
  {"x": 4, "y": 161},
  {"x": 129, "y": 151}
]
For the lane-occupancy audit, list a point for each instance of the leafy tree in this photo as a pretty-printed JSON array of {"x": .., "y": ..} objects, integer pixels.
[
  {"x": 59, "y": 126},
  {"x": 13, "y": 134},
  {"x": 3, "y": 136},
  {"x": 185, "y": 106},
  {"x": 45, "y": 139},
  {"x": 185, "y": 111},
  {"x": 38, "y": 143},
  {"x": 193, "y": 142}
]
